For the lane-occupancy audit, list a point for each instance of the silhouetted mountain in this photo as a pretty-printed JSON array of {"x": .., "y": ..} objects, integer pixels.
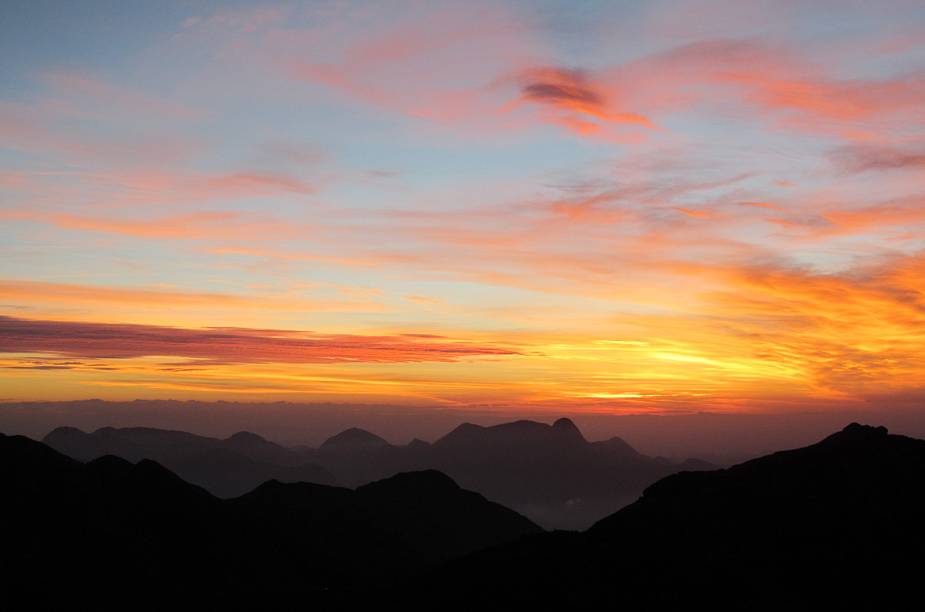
[
  {"x": 226, "y": 468},
  {"x": 136, "y": 443},
  {"x": 549, "y": 473},
  {"x": 100, "y": 526},
  {"x": 103, "y": 531},
  {"x": 418, "y": 445},
  {"x": 838, "y": 523},
  {"x": 835, "y": 523},
  {"x": 354, "y": 440},
  {"x": 226, "y": 473},
  {"x": 257, "y": 448},
  {"x": 378, "y": 531}
]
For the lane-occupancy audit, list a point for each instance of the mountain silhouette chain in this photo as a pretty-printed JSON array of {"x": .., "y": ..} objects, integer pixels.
[
  {"x": 835, "y": 523},
  {"x": 548, "y": 473}
]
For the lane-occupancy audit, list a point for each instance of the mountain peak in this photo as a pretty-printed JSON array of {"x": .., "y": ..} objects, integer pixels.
[
  {"x": 422, "y": 482},
  {"x": 246, "y": 436},
  {"x": 109, "y": 462},
  {"x": 64, "y": 431},
  {"x": 872, "y": 430},
  {"x": 354, "y": 439},
  {"x": 523, "y": 431},
  {"x": 567, "y": 428},
  {"x": 855, "y": 432},
  {"x": 617, "y": 445},
  {"x": 467, "y": 427},
  {"x": 60, "y": 435}
]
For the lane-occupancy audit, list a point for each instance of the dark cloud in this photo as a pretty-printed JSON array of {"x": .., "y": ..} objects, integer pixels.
[
  {"x": 557, "y": 86},
  {"x": 225, "y": 345},
  {"x": 866, "y": 158}
]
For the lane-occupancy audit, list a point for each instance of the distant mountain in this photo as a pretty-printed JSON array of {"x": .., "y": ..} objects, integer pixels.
[
  {"x": 549, "y": 473},
  {"x": 136, "y": 443},
  {"x": 226, "y": 468},
  {"x": 110, "y": 531},
  {"x": 354, "y": 440},
  {"x": 227, "y": 473},
  {"x": 833, "y": 524}
]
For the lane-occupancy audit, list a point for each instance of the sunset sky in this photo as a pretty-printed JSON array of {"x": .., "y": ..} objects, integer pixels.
[{"x": 610, "y": 206}]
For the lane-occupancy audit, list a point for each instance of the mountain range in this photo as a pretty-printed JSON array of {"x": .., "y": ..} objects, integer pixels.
[
  {"x": 549, "y": 473},
  {"x": 115, "y": 529},
  {"x": 226, "y": 468},
  {"x": 837, "y": 523}
]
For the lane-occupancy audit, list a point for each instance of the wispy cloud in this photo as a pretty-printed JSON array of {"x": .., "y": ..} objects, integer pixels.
[{"x": 65, "y": 294}]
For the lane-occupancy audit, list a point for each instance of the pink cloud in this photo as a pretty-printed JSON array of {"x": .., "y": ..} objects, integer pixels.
[
  {"x": 775, "y": 82},
  {"x": 194, "y": 226}
]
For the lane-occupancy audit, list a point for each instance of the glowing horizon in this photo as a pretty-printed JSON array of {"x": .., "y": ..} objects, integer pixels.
[{"x": 640, "y": 207}]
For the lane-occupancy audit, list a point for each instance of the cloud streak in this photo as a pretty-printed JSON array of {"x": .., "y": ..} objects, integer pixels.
[
  {"x": 228, "y": 345},
  {"x": 69, "y": 294},
  {"x": 873, "y": 158}
]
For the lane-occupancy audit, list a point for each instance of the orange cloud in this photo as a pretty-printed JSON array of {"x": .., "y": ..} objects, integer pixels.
[
  {"x": 828, "y": 222},
  {"x": 33, "y": 292},
  {"x": 850, "y": 333},
  {"x": 874, "y": 217}
]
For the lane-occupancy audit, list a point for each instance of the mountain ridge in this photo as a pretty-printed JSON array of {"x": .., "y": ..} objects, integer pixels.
[
  {"x": 141, "y": 526},
  {"x": 549, "y": 472},
  {"x": 835, "y": 522}
]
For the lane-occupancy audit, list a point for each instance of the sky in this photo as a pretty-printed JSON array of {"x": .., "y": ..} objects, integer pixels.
[{"x": 604, "y": 207}]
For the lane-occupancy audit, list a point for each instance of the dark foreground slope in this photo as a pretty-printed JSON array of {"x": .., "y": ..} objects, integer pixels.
[
  {"x": 836, "y": 523},
  {"x": 110, "y": 531}
]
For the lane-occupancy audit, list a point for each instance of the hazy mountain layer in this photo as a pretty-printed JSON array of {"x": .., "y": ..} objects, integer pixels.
[{"x": 549, "y": 473}]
